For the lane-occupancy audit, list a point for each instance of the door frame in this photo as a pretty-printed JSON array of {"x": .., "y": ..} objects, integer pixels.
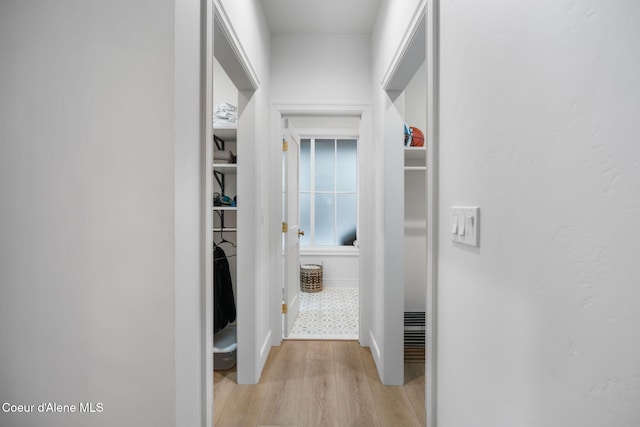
[
  {"x": 427, "y": 10},
  {"x": 217, "y": 32},
  {"x": 292, "y": 139},
  {"x": 278, "y": 112},
  {"x": 433, "y": 186}
]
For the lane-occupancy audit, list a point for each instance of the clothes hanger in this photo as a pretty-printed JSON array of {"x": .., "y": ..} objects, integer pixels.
[{"x": 222, "y": 239}]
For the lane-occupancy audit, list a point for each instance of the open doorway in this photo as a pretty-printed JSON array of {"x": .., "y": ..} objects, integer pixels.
[
  {"x": 405, "y": 206},
  {"x": 410, "y": 96},
  {"x": 228, "y": 169},
  {"x": 324, "y": 301}
]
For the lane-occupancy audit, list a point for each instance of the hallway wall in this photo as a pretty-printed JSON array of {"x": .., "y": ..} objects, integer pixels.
[
  {"x": 87, "y": 211},
  {"x": 316, "y": 69},
  {"x": 539, "y": 127}
]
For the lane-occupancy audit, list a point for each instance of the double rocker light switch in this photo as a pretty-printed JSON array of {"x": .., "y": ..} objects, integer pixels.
[{"x": 464, "y": 225}]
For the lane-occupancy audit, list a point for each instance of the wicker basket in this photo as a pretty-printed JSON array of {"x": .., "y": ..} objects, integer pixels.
[{"x": 310, "y": 278}]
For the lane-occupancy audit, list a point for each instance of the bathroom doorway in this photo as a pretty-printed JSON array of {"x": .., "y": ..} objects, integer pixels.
[{"x": 327, "y": 270}]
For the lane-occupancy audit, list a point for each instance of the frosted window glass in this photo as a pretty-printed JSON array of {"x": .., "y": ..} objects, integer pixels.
[
  {"x": 325, "y": 215},
  {"x": 347, "y": 165},
  {"x": 305, "y": 165},
  {"x": 305, "y": 218},
  {"x": 346, "y": 218},
  {"x": 325, "y": 164}
]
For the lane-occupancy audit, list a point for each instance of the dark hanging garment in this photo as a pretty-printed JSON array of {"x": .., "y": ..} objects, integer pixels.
[{"x": 224, "y": 306}]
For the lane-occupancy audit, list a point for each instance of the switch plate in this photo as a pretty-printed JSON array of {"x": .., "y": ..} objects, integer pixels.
[{"x": 465, "y": 225}]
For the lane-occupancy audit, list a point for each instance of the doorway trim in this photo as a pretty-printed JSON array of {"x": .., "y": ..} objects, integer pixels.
[
  {"x": 217, "y": 32},
  {"x": 433, "y": 187},
  {"x": 427, "y": 10},
  {"x": 278, "y": 111}
]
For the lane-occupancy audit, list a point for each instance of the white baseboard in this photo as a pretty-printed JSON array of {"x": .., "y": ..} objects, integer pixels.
[
  {"x": 340, "y": 283},
  {"x": 264, "y": 352},
  {"x": 374, "y": 347}
]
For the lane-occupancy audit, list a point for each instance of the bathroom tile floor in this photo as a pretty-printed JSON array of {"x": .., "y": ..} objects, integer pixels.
[{"x": 331, "y": 314}]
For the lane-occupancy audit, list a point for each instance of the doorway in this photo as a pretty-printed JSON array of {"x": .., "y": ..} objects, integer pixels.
[
  {"x": 229, "y": 156},
  {"x": 414, "y": 68},
  {"x": 329, "y": 217}
]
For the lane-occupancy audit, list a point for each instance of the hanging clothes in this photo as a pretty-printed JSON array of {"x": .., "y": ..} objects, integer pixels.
[{"x": 224, "y": 306}]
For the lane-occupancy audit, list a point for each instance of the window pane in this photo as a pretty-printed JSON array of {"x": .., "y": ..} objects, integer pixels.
[
  {"x": 347, "y": 165},
  {"x": 346, "y": 218},
  {"x": 324, "y": 219},
  {"x": 305, "y": 165},
  {"x": 305, "y": 218},
  {"x": 325, "y": 164}
]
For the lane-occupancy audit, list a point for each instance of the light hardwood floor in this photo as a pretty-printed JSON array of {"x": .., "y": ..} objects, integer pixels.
[{"x": 319, "y": 383}]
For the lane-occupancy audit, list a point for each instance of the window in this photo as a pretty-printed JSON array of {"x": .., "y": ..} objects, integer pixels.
[{"x": 328, "y": 191}]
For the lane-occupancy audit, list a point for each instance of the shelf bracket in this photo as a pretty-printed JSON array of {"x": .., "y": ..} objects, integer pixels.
[
  {"x": 219, "y": 176},
  {"x": 219, "y": 142}
]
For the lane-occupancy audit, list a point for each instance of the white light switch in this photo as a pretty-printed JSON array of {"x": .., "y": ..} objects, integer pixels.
[{"x": 465, "y": 225}]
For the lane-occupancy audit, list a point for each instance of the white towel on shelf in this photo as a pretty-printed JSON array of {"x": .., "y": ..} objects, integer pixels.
[{"x": 225, "y": 115}]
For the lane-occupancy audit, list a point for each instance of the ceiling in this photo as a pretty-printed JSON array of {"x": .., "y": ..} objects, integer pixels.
[{"x": 321, "y": 16}]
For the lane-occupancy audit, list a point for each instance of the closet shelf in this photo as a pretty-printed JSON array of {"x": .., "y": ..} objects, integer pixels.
[
  {"x": 415, "y": 168},
  {"x": 415, "y": 153},
  {"x": 225, "y": 208},
  {"x": 415, "y": 225},
  {"x": 226, "y": 133},
  {"x": 226, "y": 168},
  {"x": 229, "y": 229}
]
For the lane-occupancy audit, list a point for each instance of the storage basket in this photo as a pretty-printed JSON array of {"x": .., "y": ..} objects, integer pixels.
[{"x": 310, "y": 278}]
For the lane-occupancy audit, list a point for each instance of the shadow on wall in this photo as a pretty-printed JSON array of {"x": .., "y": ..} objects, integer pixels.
[{"x": 349, "y": 238}]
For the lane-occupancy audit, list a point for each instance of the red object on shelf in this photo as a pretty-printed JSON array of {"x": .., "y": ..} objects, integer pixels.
[{"x": 417, "y": 137}]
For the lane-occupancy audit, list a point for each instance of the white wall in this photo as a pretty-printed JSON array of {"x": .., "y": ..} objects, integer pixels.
[
  {"x": 539, "y": 108},
  {"x": 415, "y": 108},
  {"x": 188, "y": 215},
  {"x": 339, "y": 270},
  {"x": 315, "y": 69},
  {"x": 87, "y": 212},
  {"x": 224, "y": 90}
]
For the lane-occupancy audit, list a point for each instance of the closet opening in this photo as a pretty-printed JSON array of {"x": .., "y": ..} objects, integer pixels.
[
  {"x": 225, "y": 169},
  {"x": 410, "y": 99},
  {"x": 229, "y": 195},
  {"x": 405, "y": 188}
]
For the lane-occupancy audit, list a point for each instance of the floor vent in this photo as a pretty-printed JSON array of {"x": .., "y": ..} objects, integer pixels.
[{"x": 414, "y": 336}]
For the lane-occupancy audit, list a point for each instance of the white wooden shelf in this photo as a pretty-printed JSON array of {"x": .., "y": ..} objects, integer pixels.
[
  {"x": 226, "y": 133},
  {"x": 415, "y": 225},
  {"x": 225, "y": 208},
  {"x": 229, "y": 229},
  {"x": 226, "y": 168},
  {"x": 415, "y": 153},
  {"x": 415, "y": 168}
]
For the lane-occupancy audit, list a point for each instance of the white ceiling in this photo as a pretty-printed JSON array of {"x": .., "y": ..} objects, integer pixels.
[{"x": 321, "y": 16}]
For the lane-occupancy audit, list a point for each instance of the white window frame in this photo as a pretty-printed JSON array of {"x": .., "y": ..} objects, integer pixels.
[{"x": 320, "y": 249}]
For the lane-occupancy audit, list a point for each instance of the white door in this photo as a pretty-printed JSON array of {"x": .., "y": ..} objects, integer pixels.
[{"x": 291, "y": 229}]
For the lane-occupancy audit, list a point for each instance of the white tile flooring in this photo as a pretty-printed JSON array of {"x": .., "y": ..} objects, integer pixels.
[{"x": 331, "y": 314}]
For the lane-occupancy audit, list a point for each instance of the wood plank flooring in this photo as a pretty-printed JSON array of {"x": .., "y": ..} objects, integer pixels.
[{"x": 319, "y": 383}]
